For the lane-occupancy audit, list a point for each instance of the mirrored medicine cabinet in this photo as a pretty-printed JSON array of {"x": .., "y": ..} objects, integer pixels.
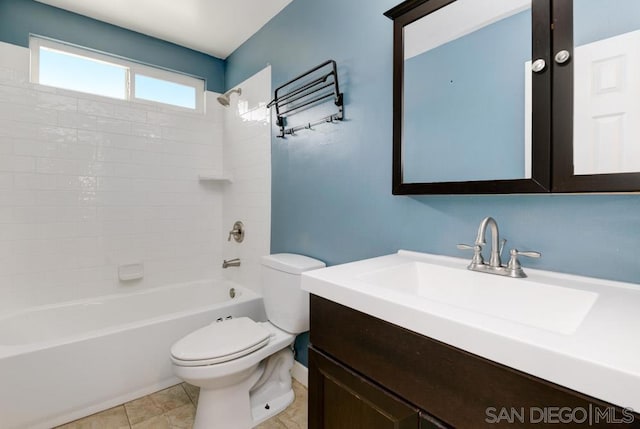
[{"x": 518, "y": 96}]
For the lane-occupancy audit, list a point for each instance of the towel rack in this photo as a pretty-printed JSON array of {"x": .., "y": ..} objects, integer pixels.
[{"x": 310, "y": 89}]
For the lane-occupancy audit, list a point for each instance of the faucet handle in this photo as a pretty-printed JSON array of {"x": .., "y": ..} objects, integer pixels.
[
  {"x": 502, "y": 243},
  {"x": 468, "y": 247},
  {"x": 477, "y": 252},
  {"x": 514, "y": 267},
  {"x": 529, "y": 253}
]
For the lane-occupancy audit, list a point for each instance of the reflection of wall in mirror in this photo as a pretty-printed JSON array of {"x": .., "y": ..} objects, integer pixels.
[
  {"x": 436, "y": 29},
  {"x": 463, "y": 106}
]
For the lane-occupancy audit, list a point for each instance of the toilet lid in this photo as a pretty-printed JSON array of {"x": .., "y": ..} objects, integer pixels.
[{"x": 221, "y": 342}]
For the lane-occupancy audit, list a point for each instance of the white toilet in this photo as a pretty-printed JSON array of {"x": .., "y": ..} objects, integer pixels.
[{"x": 243, "y": 367}]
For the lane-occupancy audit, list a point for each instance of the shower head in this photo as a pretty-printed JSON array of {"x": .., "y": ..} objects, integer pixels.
[{"x": 225, "y": 99}]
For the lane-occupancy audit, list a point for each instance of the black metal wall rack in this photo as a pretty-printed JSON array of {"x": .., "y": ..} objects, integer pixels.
[{"x": 310, "y": 89}]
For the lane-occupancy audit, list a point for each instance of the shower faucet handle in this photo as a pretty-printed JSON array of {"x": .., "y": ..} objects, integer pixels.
[{"x": 237, "y": 232}]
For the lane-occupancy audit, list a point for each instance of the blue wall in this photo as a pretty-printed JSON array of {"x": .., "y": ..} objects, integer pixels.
[
  {"x": 19, "y": 18},
  {"x": 594, "y": 19},
  {"x": 331, "y": 189},
  {"x": 464, "y": 93}
]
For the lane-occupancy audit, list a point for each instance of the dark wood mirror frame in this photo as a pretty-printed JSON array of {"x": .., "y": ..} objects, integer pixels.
[{"x": 412, "y": 10}]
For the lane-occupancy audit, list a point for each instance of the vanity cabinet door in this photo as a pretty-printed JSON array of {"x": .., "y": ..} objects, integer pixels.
[
  {"x": 429, "y": 422},
  {"x": 341, "y": 399}
]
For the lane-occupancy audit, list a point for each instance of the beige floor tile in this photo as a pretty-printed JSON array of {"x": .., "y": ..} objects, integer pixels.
[
  {"x": 157, "y": 422},
  {"x": 171, "y": 398},
  {"x": 182, "y": 417},
  {"x": 172, "y": 408},
  {"x": 192, "y": 391},
  {"x": 295, "y": 416},
  {"x": 114, "y": 418},
  {"x": 178, "y": 418},
  {"x": 292, "y": 420},
  {"x": 143, "y": 409},
  {"x": 300, "y": 390},
  {"x": 272, "y": 423}
]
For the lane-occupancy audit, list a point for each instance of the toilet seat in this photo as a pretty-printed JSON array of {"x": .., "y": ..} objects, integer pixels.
[{"x": 220, "y": 342}]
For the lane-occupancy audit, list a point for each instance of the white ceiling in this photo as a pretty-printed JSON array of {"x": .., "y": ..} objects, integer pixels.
[{"x": 216, "y": 27}]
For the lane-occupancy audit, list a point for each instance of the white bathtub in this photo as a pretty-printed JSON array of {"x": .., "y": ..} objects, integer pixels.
[{"x": 65, "y": 361}]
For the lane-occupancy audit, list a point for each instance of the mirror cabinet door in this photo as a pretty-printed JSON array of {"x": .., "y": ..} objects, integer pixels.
[
  {"x": 596, "y": 96},
  {"x": 470, "y": 114}
]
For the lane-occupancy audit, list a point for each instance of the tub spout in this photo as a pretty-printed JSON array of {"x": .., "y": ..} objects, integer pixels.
[{"x": 231, "y": 263}]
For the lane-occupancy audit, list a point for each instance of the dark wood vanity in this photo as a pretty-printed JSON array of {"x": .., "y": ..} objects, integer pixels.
[{"x": 365, "y": 373}]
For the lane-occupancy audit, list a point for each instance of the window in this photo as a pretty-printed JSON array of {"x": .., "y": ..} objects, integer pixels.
[
  {"x": 69, "y": 71},
  {"x": 162, "y": 91},
  {"x": 69, "y": 67}
]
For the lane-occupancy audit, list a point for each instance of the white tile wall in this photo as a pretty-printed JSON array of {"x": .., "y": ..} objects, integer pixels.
[
  {"x": 247, "y": 159},
  {"x": 87, "y": 183}
]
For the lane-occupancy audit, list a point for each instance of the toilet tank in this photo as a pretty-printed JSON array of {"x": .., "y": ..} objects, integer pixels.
[{"x": 286, "y": 304}]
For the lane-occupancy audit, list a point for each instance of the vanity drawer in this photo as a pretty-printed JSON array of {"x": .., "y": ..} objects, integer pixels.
[{"x": 455, "y": 386}]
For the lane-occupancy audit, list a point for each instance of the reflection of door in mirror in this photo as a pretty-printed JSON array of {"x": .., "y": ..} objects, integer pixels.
[
  {"x": 464, "y": 93},
  {"x": 606, "y": 87}
]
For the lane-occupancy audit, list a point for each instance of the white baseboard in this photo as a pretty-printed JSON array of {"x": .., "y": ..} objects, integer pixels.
[{"x": 300, "y": 373}]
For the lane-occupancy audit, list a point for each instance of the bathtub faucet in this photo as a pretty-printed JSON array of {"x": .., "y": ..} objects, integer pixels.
[{"x": 235, "y": 262}]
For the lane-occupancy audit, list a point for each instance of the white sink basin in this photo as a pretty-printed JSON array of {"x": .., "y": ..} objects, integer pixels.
[
  {"x": 555, "y": 308},
  {"x": 578, "y": 332}
]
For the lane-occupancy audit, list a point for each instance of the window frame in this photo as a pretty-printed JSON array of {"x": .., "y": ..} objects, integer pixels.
[{"x": 131, "y": 70}]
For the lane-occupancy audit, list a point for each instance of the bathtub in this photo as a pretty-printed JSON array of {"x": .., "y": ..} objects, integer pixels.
[{"x": 65, "y": 361}]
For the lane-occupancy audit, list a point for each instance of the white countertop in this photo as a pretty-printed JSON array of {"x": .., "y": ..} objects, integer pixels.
[{"x": 601, "y": 358}]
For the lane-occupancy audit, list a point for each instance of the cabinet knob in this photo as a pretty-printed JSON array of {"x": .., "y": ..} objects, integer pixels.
[
  {"x": 538, "y": 65},
  {"x": 562, "y": 56}
]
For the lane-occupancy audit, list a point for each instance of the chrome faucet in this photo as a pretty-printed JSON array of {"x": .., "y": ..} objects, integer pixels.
[
  {"x": 512, "y": 269},
  {"x": 235, "y": 262},
  {"x": 494, "y": 260}
]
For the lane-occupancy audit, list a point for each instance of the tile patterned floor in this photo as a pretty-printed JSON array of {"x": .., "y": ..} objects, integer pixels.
[{"x": 175, "y": 408}]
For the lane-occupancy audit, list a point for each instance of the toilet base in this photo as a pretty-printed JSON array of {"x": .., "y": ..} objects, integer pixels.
[
  {"x": 260, "y": 413},
  {"x": 225, "y": 407},
  {"x": 245, "y": 405},
  {"x": 273, "y": 392}
]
